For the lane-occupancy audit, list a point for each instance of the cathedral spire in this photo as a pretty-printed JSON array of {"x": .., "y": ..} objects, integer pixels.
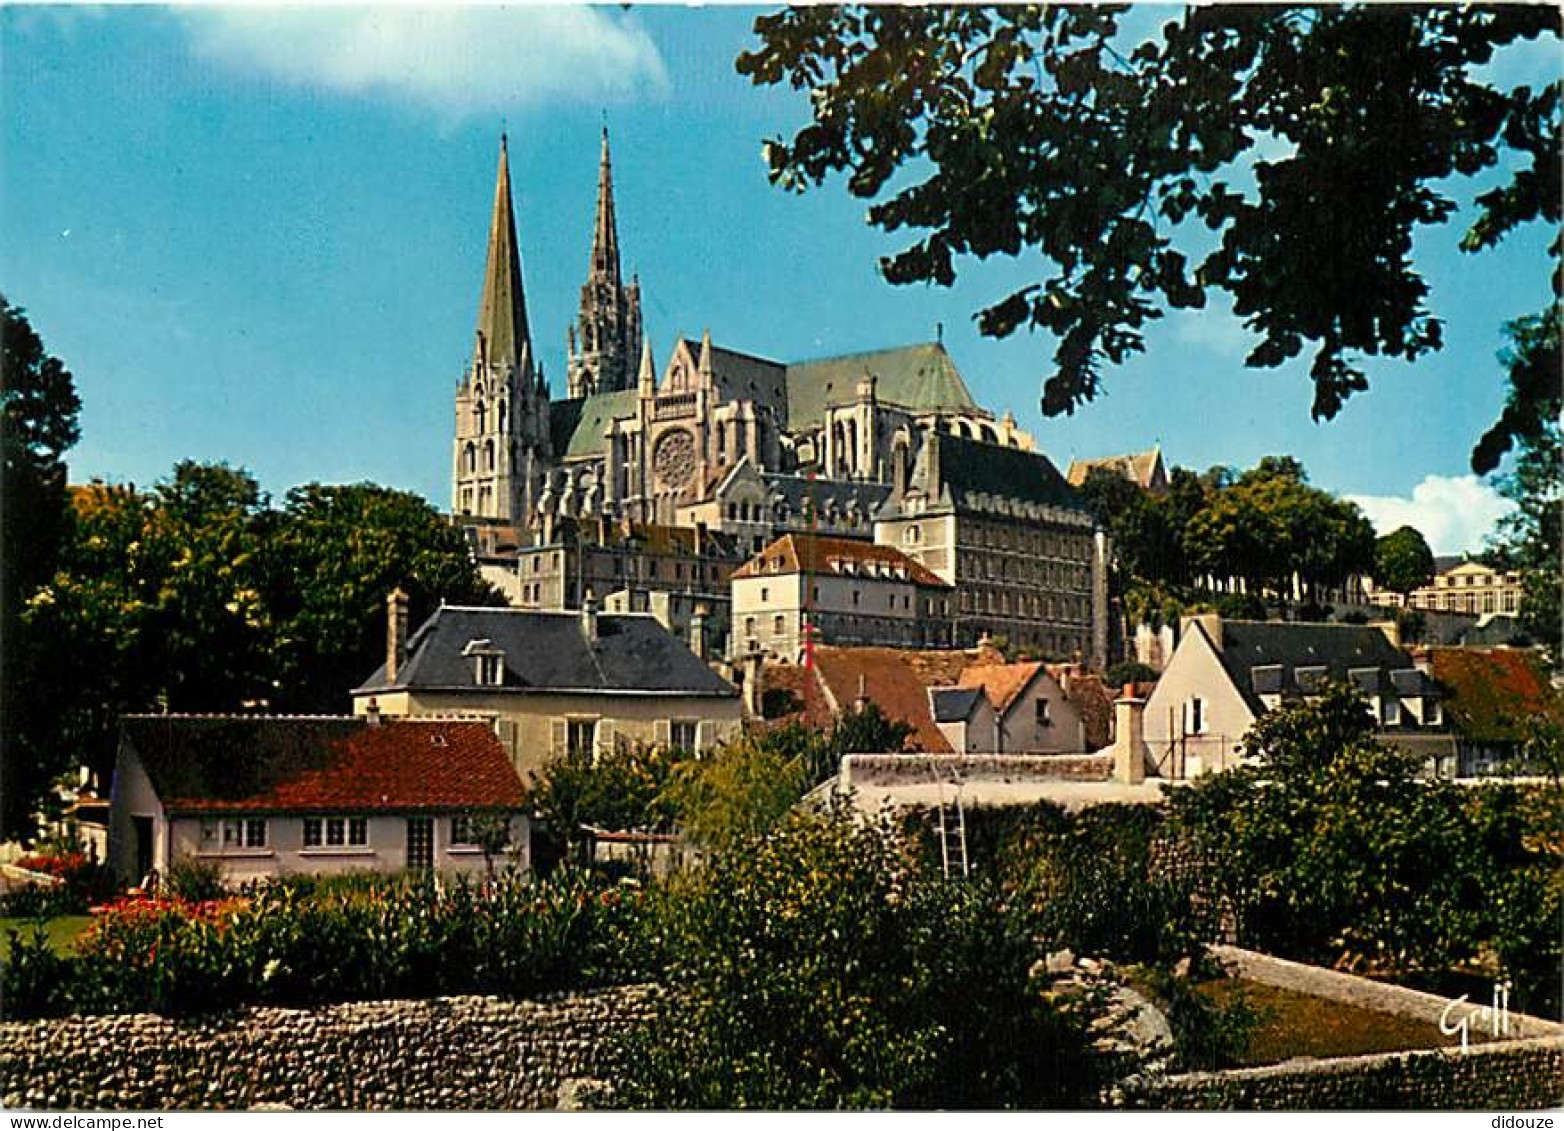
[
  {"x": 605, "y": 236},
  {"x": 606, "y": 339},
  {"x": 502, "y": 312}
]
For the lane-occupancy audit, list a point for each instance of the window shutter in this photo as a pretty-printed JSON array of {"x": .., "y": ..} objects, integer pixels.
[
  {"x": 660, "y": 732},
  {"x": 703, "y": 736},
  {"x": 557, "y": 737},
  {"x": 605, "y": 737}
]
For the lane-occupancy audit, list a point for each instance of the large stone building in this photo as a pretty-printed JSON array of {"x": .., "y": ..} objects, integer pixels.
[{"x": 750, "y": 448}]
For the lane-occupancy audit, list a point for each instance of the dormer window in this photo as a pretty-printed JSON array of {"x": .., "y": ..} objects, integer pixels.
[
  {"x": 488, "y": 663},
  {"x": 1390, "y": 711}
]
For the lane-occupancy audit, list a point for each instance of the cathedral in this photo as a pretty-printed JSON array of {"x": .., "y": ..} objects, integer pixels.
[{"x": 727, "y": 442}]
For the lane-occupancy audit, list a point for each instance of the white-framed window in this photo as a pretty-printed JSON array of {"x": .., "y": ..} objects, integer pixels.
[
  {"x": 1195, "y": 715},
  {"x": 1390, "y": 712},
  {"x": 336, "y": 832},
  {"x": 1041, "y": 707},
  {"x": 491, "y": 670},
  {"x": 233, "y": 834},
  {"x": 681, "y": 734}
]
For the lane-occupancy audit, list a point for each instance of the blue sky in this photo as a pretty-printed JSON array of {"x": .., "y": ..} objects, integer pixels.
[{"x": 257, "y": 235}]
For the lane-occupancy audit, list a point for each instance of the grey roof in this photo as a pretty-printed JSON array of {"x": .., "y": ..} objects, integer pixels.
[
  {"x": 954, "y": 704},
  {"x": 548, "y": 651},
  {"x": 975, "y": 474},
  {"x": 1413, "y": 683},
  {"x": 1310, "y": 652},
  {"x": 746, "y": 377},
  {"x": 794, "y": 489}
]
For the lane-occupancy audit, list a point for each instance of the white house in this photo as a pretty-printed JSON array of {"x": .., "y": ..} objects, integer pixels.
[
  {"x": 1225, "y": 674},
  {"x": 267, "y": 796}
]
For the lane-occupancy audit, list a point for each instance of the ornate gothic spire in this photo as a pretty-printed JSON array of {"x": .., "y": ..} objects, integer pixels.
[
  {"x": 502, "y": 313},
  {"x": 606, "y": 340},
  {"x": 605, "y": 236}
]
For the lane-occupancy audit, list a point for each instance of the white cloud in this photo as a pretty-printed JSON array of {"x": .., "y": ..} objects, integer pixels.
[
  {"x": 457, "y": 61},
  {"x": 1454, "y": 513}
]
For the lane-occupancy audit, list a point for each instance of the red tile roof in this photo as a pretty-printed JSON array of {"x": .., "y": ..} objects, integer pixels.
[
  {"x": 1001, "y": 683},
  {"x": 212, "y": 764},
  {"x": 889, "y": 681},
  {"x": 817, "y": 553},
  {"x": 1491, "y": 692}
]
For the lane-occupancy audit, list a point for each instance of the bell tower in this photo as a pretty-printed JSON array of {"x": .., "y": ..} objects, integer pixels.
[{"x": 502, "y": 435}]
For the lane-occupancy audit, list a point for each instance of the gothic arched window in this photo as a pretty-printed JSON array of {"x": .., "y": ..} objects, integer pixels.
[
  {"x": 481, "y": 417},
  {"x": 501, "y": 417},
  {"x": 470, "y": 458},
  {"x": 488, "y": 455}
]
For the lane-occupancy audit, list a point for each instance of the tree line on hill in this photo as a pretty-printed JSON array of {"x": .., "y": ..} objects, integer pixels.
[{"x": 200, "y": 594}]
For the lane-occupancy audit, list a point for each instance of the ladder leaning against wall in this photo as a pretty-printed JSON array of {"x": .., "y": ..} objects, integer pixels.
[{"x": 952, "y": 827}]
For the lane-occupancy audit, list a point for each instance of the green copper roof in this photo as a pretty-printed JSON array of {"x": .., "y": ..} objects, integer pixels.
[
  {"x": 920, "y": 377},
  {"x": 592, "y": 417}
]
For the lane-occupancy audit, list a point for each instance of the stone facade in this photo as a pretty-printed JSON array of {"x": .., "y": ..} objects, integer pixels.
[{"x": 463, "y": 1053}]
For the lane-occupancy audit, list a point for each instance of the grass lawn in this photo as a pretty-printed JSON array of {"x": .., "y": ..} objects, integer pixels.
[
  {"x": 62, "y": 931},
  {"x": 1294, "y": 1024}
]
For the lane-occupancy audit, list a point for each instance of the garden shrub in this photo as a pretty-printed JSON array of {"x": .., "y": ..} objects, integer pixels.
[
  {"x": 83, "y": 881},
  {"x": 296, "y": 943},
  {"x": 822, "y": 967},
  {"x": 195, "y": 879},
  {"x": 1208, "y": 1035}
]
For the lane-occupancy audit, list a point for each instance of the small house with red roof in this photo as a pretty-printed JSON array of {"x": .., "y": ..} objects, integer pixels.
[
  {"x": 268, "y": 796},
  {"x": 1493, "y": 698}
]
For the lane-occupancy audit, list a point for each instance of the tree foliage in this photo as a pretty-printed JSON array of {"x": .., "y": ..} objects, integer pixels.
[
  {"x": 39, "y": 412},
  {"x": 1402, "y": 561},
  {"x": 200, "y": 596},
  {"x": 1224, "y": 152},
  {"x": 818, "y": 968}
]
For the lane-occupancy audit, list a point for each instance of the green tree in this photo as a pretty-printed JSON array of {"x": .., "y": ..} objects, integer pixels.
[
  {"x": 1402, "y": 561},
  {"x": 1530, "y": 537},
  {"x": 336, "y": 553},
  {"x": 629, "y": 787},
  {"x": 818, "y": 969},
  {"x": 39, "y": 412},
  {"x": 1104, "y": 150}
]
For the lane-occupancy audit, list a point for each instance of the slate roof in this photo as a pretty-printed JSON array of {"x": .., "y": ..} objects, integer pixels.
[
  {"x": 1307, "y": 654},
  {"x": 548, "y": 651},
  {"x": 819, "y": 553},
  {"x": 954, "y": 704},
  {"x": 795, "y": 489},
  {"x": 1491, "y": 692},
  {"x": 921, "y": 377},
  {"x": 576, "y": 427},
  {"x": 974, "y": 471},
  {"x": 269, "y": 764}
]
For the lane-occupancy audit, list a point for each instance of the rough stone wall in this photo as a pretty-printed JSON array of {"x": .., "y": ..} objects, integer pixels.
[
  {"x": 1505, "y": 1076},
  {"x": 469, "y": 1053},
  {"x": 919, "y": 769}
]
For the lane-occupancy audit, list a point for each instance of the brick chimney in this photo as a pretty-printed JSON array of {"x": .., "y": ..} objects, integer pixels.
[{"x": 396, "y": 633}]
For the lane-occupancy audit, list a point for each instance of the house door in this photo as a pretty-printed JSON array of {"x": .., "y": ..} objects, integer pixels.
[
  {"x": 142, "y": 826},
  {"x": 420, "y": 844}
]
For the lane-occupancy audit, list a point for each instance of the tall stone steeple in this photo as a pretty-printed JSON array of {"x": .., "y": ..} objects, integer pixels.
[
  {"x": 605, "y": 343},
  {"x": 502, "y": 435}
]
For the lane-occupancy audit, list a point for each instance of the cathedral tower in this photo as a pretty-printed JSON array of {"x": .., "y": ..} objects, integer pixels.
[
  {"x": 502, "y": 436},
  {"x": 605, "y": 343}
]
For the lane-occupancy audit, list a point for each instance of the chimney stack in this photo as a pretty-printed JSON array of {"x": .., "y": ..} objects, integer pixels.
[
  {"x": 589, "y": 617},
  {"x": 698, "y": 630},
  {"x": 752, "y": 697},
  {"x": 1129, "y": 739},
  {"x": 396, "y": 633}
]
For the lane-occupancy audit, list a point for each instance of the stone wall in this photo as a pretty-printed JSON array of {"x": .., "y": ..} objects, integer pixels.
[
  {"x": 920, "y": 769},
  {"x": 1504, "y": 1076},
  {"x": 470, "y": 1053}
]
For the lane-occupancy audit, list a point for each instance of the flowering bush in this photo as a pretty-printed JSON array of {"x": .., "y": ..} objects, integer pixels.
[
  {"x": 82, "y": 880},
  {"x": 301, "y": 943}
]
